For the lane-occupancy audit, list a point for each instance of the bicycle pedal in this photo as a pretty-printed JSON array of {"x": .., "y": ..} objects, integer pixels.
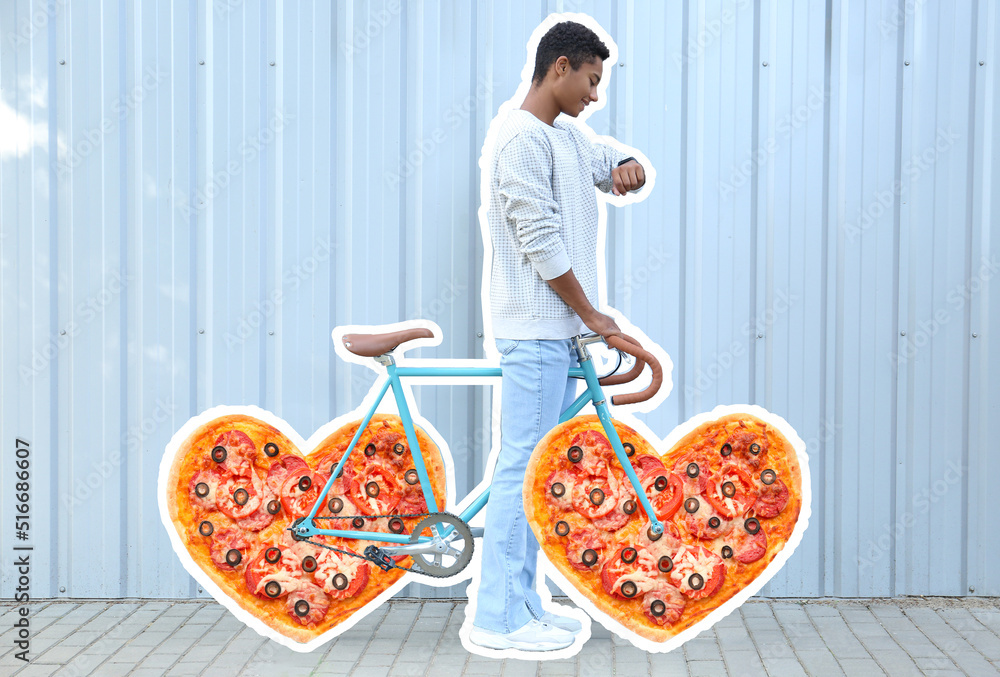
[{"x": 374, "y": 554}]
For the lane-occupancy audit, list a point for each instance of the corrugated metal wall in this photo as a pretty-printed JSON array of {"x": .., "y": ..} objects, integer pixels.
[{"x": 194, "y": 194}]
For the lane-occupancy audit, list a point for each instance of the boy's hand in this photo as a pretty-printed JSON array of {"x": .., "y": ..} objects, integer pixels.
[
  {"x": 601, "y": 323},
  {"x": 630, "y": 176}
]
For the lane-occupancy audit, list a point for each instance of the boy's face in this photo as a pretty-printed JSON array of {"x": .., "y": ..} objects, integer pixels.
[{"x": 575, "y": 89}]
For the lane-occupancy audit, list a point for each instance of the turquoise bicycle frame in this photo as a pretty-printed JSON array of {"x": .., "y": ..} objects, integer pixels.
[{"x": 593, "y": 393}]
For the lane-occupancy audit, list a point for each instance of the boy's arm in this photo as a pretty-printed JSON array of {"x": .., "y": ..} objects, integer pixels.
[
  {"x": 524, "y": 171},
  {"x": 568, "y": 287},
  {"x": 611, "y": 173}
]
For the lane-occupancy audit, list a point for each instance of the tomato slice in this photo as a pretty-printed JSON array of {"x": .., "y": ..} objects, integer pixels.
[
  {"x": 239, "y": 455},
  {"x": 628, "y": 565},
  {"x": 698, "y": 571},
  {"x": 300, "y": 492},
  {"x": 316, "y": 604},
  {"x": 340, "y": 575},
  {"x": 239, "y": 497},
  {"x": 376, "y": 490},
  {"x": 665, "y": 501},
  {"x": 595, "y": 496},
  {"x": 644, "y": 463},
  {"x": 731, "y": 491},
  {"x": 274, "y": 564}
]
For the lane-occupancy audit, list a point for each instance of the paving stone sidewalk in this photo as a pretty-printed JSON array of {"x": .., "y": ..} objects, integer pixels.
[{"x": 908, "y": 636}]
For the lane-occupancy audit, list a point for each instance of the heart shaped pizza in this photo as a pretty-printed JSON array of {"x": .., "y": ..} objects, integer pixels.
[
  {"x": 234, "y": 485},
  {"x": 729, "y": 493}
]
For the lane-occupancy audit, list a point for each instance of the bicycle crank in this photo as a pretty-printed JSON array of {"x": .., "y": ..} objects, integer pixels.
[{"x": 447, "y": 553}]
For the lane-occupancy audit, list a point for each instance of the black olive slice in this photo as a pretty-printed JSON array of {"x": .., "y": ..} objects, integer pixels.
[
  {"x": 589, "y": 557},
  {"x": 596, "y": 496},
  {"x": 334, "y": 467},
  {"x": 657, "y": 608},
  {"x": 340, "y": 581},
  {"x": 273, "y": 506},
  {"x": 629, "y": 555},
  {"x": 692, "y": 505},
  {"x": 665, "y": 564},
  {"x": 574, "y": 454},
  {"x": 768, "y": 476},
  {"x": 271, "y": 449},
  {"x": 201, "y": 489},
  {"x": 727, "y": 552},
  {"x": 372, "y": 489},
  {"x": 370, "y": 449},
  {"x": 241, "y": 496},
  {"x": 629, "y": 589},
  {"x": 234, "y": 557},
  {"x": 272, "y": 555},
  {"x": 653, "y": 537},
  {"x": 629, "y": 507},
  {"x": 219, "y": 454},
  {"x": 754, "y": 448},
  {"x": 309, "y": 564},
  {"x": 272, "y": 589},
  {"x": 302, "y": 608},
  {"x": 629, "y": 449},
  {"x": 660, "y": 483},
  {"x": 411, "y": 476},
  {"x": 696, "y": 581},
  {"x": 562, "y": 528},
  {"x": 752, "y": 526},
  {"x": 396, "y": 525},
  {"x": 206, "y": 528},
  {"x": 398, "y": 449},
  {"x": 692, "y": 470},
  {"x": 358, "y": 522},
  {"x": 714, "y": 522},
  {"x": 727, "y": 449},
  {"x": 335, "y": 505},
  {"x": 558, "y": 489},
  {"x": 305, "y": 482},
  {"x": 728, "y": 489}
]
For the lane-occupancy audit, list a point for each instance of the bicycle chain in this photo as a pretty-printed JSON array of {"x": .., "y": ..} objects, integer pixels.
[{"x": 354, "y": 554}]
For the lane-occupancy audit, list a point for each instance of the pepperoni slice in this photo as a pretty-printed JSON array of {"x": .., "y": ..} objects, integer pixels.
[
  {"x": 744, "y": 443},
  {"x": 262, "y": 517},
  {"x": 664, "y": 604},
  {"x": 693, "y": 486},
  {"x": 239, "y": 497},
  {"x": 644, "y": 463},
  {"x": 240, "y": 453},
  {"x": 223, "y": 541},
  {"x": 376, "y": 491},
  {"x": 597, "y": 452},
  {"x": 595, "y": 496},
  {"x": 731, "y": 491},
  {"x": 614, "y": 520},
  {"x": 559, "y": 489},
  {"x": 578, "y": 542},
  {"x": 667, "y": 499},
  {"x": 307, "y": 605},
  {"x": 748, "y": 547},
  {"x": 385, "y": 441},
  {"x": 412, "y": 502},
  {"x": 705, "y": 524},
  {"x": 341, "y": 575},
  {"x": 300, "y": 492},
  {"x": 261, "y": 574},
  {"x": 204, "y": 486},
  {"x": 772, "y": 500},
  {"x": 698, "y": 571}
]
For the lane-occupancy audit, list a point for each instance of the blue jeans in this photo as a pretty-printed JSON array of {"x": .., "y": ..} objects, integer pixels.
[{"x": 536, "y": 389}]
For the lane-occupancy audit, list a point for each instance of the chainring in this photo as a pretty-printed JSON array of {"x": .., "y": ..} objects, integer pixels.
[{"x": 434, "y": 565}]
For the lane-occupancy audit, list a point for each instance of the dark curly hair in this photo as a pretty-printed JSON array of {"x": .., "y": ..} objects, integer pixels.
[{"x": 575, "y": 41}]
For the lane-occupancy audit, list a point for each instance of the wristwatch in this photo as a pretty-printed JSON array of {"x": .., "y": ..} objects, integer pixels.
[{"x": 628, "y": 159}]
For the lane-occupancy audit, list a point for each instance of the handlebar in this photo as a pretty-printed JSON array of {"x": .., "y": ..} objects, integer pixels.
[{"x": 630, "y": 346}]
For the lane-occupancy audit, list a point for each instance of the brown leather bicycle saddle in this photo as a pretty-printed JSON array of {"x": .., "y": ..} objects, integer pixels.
[{"x": 373, "y": 345}]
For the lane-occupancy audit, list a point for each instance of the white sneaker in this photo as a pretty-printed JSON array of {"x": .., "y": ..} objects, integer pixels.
[
  {"x": 566, "y": 623},
  {"x": 532, "y": 636}
]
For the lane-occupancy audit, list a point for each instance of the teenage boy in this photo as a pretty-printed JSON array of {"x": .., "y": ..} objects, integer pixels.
[{"x": 543, "y": 290}]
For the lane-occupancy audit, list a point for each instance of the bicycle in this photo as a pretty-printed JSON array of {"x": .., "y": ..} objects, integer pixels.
[{"x": 451, "y": 536}]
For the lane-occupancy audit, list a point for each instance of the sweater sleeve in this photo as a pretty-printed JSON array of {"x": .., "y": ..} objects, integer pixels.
[
  {"x": 603, "y": 158},
  {"x": 524, "y": 170}
]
